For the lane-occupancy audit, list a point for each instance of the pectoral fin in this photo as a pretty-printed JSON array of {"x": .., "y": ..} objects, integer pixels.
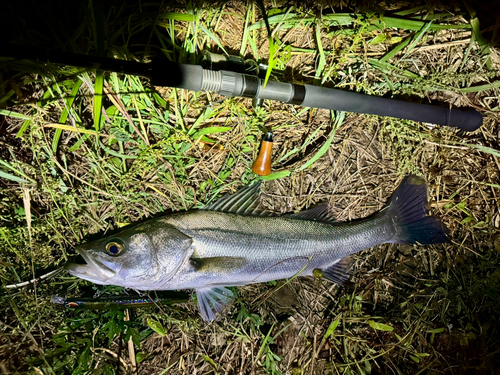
[
  {"x": 212, "y": 301},
  {"x": 218, "y": 264},
  {"x": 338, "y": 273}
]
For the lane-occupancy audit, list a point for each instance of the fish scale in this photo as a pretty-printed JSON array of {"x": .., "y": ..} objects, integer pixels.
[
  {"x": 268, "y": 242},
  {"x": 234, "y": 242}
]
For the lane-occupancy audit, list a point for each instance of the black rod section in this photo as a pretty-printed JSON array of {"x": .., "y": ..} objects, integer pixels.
[{"x": 229, "y": 83}]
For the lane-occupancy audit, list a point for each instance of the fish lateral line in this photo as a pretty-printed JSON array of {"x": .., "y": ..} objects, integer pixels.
[{"x": 267, "y": 270}]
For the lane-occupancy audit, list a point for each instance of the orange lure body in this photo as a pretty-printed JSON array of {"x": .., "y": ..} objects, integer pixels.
[{"x": 262, "y": 165}]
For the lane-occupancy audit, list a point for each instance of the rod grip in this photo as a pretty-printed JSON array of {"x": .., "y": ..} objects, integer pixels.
[
  {"x": 335, "y": 99},
  {"x": 465, "y": 119}
]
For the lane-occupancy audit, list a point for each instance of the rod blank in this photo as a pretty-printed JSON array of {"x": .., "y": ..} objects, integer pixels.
[{"x": 229, "y": 83}]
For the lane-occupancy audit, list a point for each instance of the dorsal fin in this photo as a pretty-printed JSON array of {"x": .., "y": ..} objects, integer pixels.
[
  {"x": 318, "y": 213},
  {"x": 245, "y": 201}
]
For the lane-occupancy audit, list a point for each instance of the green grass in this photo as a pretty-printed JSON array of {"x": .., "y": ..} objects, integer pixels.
[{"x": 94, "y": 151}]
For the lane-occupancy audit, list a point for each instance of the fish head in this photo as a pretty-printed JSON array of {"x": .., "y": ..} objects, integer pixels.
[{"x": 143, "y": 257}]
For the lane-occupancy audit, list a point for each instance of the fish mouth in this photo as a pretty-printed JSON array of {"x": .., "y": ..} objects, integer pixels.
[{"x": 94, "y": 270}]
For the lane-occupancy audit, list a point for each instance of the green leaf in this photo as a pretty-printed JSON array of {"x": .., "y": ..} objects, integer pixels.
[
  {"x": 83, "y": 358},
  {"x": 394, "y": 51},
  {"x": 380, "y": 326},
  {"x": 275, "y": 175},
  {"x": 487, "y": 86},
  {"x": 407, "y": 12},
  {"x": 385, "y": 67},
  {"x": 408, "y": 24},
  {"x": 210, "y": 361},
  {"x": 211, "y": 130},
  {"x": 415, "y": 359},
  {"x": 271, "y": 62},
  {"x": 9, "y": 176},
  {"x": 331, "y": 328},
  {"x": 322, "y": 59},
  {"x": 157, "y": 327},
  {"x": 417, "y": 38},
  {"x": 476, "y": 29},
  {"x": 136, "y": 337},
  {"x": 26, "y": 124},
  {"x": 140, "y": 356},
  {"x": 339, "y": 19},
  {"x": 213, "y": 37},
  {"x": 422, "y": 355},
  {"x": 278, "y": 18},
  {"x": 467, "y": 220},
  {"x": 112, "y": 329},
  {"x": 378, "y": 39},
  {"x": 482, "y": 148}
]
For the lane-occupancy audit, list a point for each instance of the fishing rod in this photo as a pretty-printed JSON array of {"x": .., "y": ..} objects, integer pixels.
[
  {"x": 230, "y": 83},
  {"x": 122, "y": 301}
]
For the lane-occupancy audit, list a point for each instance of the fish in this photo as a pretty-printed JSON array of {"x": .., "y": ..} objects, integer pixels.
[{"x": 235, "y": 241}]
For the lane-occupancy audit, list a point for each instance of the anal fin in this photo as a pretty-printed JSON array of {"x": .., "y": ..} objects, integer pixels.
[
  {"x": 213, "y": 300},
  {"x": 338, "y": 273}
]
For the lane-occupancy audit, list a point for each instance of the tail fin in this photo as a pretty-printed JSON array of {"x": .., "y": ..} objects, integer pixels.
[{"x": 409, "y": 211}]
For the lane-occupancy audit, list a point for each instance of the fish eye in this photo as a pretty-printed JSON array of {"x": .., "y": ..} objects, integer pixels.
[{"x": 114, "y": 248}]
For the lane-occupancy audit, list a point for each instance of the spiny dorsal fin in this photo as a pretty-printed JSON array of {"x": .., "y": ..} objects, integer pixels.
[
  {"x": 245, "y": 201},
  {"x": 338, "y": 273},
  {"x": 318, "y": 213}
]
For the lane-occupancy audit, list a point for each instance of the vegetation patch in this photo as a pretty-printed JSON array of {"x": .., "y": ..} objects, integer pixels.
[{"x": 84, "y": 152}]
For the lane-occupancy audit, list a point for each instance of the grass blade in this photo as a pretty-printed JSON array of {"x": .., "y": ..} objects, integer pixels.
[
  {"x": 487, "y": 86},
  {"x": 98, "y": 90},
  {"x": 213, "y": 37},
  {"x": 7, "y": 113},
  {"x": 65, "y": 114},
  {"x": 417, "y": 38},
  {"x": 275, "y": 175},
  {"x": 408, "y": 24},
  {"x": 77, "y": 129},
  {"x": 387, "y": 68},
  {"x": 326, "y": 145},
  {"x": 12, "y": 177}
]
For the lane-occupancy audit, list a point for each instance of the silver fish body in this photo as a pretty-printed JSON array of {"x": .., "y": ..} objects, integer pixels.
[
  {"x": 259, "y": 249},
  {"x": 233, "y": 243}
]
